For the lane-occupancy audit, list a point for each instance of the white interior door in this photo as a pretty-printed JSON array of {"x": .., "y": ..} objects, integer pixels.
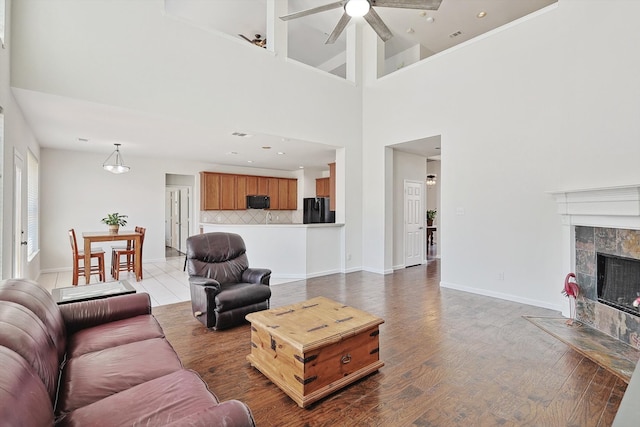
[
  {"x": 19, "y": 236},
  {"x": 414, "y": 218},
  {"x": 185, "y": 218},
  {"x": 177, "y": 217}
]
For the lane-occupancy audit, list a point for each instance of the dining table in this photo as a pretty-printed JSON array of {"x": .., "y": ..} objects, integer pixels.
[{"x": 109, "y": 236}]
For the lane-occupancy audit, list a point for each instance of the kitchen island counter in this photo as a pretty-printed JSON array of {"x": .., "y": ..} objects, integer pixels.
[{"x": 291, "y": 251}]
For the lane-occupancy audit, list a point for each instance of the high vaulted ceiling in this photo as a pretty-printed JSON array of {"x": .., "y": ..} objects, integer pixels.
[{"x": 66, "y": 123}]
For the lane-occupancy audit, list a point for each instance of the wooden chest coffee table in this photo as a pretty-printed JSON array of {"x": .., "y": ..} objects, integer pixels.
[{"x": 315, "y": 347}]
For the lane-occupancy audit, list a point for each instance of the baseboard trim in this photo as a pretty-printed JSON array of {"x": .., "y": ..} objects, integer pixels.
[{"x": 500, "y": 295}]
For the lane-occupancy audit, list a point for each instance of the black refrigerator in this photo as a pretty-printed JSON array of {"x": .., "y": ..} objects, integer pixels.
[{"x": 316, "y": 210}]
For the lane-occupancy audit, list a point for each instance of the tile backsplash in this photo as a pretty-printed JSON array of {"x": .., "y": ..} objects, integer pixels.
[{"x": 251, "y": 216}]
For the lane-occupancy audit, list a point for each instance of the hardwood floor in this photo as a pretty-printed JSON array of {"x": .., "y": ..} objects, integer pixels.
[{"x": 451, "y": 359}]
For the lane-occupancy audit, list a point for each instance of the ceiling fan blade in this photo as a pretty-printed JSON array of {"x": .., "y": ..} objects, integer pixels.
[
  {"x": 408, "y": 4},
  {"x": 342, "y": 24},
  {"x": 313, "y": 10},
  {"x": 378, "y": 26}
]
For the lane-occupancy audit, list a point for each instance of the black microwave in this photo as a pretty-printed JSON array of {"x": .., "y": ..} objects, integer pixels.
[{"x": 258, "y": 202}]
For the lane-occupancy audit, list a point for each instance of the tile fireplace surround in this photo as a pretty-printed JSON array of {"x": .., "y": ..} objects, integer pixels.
[{"x": 605, "y": 220}]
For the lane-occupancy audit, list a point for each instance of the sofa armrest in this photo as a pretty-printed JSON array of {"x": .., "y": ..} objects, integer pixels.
[
  {"x": 256, "y": 275},
  {"x": 231, "y": 413},
  {"x": 85, "y": 314}
]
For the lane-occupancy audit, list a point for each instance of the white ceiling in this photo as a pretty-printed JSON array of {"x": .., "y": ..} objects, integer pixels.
[{"x": 61, "y": 122}]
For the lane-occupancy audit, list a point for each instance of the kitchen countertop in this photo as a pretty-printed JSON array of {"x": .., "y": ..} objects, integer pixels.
[{"x": 217, "y": 224}]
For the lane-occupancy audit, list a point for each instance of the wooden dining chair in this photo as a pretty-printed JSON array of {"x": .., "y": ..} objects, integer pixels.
[
  {"x": 128, "y": 252},
  {"x": 79, "y": 269}
]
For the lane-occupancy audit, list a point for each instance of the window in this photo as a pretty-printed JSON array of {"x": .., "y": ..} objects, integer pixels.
[
  {"x": 3, "y": 7},
  {"x": 33, "y": 209}
]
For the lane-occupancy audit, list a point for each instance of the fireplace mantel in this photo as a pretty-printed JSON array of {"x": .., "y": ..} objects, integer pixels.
[{"x": 614, "y": 207}]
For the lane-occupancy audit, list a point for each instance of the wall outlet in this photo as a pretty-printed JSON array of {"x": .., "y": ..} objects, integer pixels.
[{"x": 501, "y": 275}]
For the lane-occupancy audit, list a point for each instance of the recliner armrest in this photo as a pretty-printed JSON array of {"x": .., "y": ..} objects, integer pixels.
[
  {"x": 204, "y": 281},
  {"x": 256, "y": 275}
]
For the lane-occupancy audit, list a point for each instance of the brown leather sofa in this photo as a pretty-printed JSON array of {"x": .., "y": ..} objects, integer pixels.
[
  {"x": 223, "y": 287},
  {"x": 103, "y": 362}
]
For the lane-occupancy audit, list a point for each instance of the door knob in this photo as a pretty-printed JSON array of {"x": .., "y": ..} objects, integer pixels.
[{"x": 23, "y": 243}]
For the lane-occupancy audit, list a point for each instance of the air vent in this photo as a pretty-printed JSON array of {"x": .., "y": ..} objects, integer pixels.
[{"x": 456, "y": 34}]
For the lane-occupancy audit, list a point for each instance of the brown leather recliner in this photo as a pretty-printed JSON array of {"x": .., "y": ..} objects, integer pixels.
[{"x": 223, "y": 287}]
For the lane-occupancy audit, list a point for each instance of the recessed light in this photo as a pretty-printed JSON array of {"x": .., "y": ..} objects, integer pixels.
[
  {"x": 410, "y": 31},
  {"x": 266, "y": 147},
  {"x": 83, "y": 139},
  {"x": 481, "y": 14},
  {"x": 280, "y": 152},
  {"x": 242, "y": 134},
  {"x": 232, "y": 152},
  {"x": 430, "y": 19},
  {"x": 249, "y": 161},
  {"x": 422, "y": 13},
  {"x": 300, "y": 167}
]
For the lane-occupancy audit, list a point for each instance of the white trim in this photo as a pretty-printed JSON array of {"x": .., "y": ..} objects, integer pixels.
[{"x": 499, "y": 295}]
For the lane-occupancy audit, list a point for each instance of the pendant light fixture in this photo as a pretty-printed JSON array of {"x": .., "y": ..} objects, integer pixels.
[
  {"x": 431, "y": 180},
  {"x": 115, "y": 162}
]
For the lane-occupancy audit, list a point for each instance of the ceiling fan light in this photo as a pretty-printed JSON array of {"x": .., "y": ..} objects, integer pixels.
[{"x": 357, "y": 8}]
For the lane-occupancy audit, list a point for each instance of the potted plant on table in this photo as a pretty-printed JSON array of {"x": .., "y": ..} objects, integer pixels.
[
  {"x": 114, "y": 221},
  {"x": 431, "y": 215}
]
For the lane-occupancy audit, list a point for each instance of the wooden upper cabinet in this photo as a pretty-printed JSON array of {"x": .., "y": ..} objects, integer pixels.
[
  {"x": 273, "y": 191},
  {"x": 292, "y": 201},
  {"x": 322, "y": 187},
  {"x": 228, "y": 192},
  {"x": 283, "y": 193},
  {"x": 223, "y": 191},
  {"x": 209, "y": 191},
  {"x": 263, "y": 186},
  {"x": 241, "y": 191},
  {"x": 332, "y": 186},
  {"x": 252, "y": 185}
]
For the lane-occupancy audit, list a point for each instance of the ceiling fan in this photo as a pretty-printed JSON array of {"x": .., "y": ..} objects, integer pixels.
[
  {"x": 258, "y": 40},
  {"x": 364, "y": 8}
]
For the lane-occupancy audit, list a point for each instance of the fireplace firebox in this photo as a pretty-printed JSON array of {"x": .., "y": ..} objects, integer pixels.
[{"x": 618, "y": 282}]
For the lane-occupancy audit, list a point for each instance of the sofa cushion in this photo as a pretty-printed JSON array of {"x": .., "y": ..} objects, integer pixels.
[
  {"x": 112, "y": 334},
  {"x": 23, "y": 332},
  {"x": 158, "y": 402},
  {"x": 93, "y": 376},
  {"x": 23, "y": 397},
  {"x": 40, "y": 302}
]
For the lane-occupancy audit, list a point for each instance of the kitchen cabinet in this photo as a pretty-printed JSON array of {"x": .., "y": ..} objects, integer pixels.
[
  {"x": 223, "y": 191},
  {"x": 273, "y": 191},
  {"x": 228, "y": 194},
  {"x": 292, "y": 200},
  {"x": 322, "y": 187},
  {"x": 241, "y": 191},
  {"x": 209, "y": 191}
]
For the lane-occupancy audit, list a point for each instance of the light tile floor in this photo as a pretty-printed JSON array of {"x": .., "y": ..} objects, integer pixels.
[{"x": 164, "y": 281}]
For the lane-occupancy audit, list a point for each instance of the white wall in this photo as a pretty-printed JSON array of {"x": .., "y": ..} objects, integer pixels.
[
  {"x": 549, "y": 103},
  {"x": 17, "y": 137},
  {"x": 77, "y": 193},
  {"x": 129, "y": 54}
]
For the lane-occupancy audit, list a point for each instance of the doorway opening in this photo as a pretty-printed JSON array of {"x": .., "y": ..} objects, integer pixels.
[{"x": 178, "y": 213}]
